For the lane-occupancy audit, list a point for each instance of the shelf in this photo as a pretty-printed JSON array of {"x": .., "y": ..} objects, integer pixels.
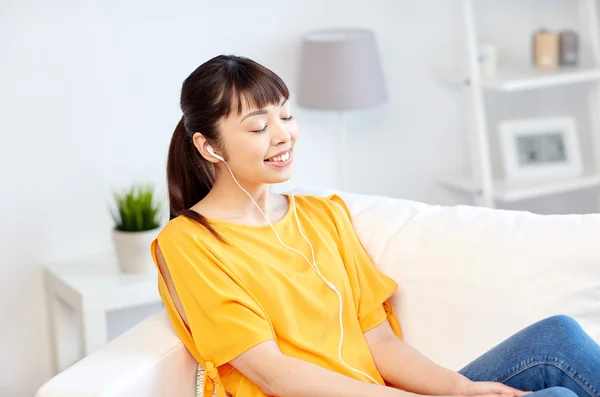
[
  {"x": 512, "y": 192},
  {"x": 511, "y": 80}
]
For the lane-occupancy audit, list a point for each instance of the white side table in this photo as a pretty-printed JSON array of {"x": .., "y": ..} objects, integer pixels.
[{"x": 89, "y": 289}]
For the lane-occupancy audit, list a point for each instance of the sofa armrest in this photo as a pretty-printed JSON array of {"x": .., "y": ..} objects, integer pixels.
[{"x": 148, "y": 360}]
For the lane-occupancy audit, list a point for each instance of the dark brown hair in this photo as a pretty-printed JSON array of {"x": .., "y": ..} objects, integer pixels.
[{"x": 213, "y": 91}]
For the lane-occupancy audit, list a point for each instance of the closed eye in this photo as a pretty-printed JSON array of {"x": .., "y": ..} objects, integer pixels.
[
  {"x": 259, "y": 131},
  {"x": 265, "y": 127}
]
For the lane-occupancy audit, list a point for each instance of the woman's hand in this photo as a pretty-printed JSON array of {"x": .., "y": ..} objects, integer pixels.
[{"x": 487, "y": 388}]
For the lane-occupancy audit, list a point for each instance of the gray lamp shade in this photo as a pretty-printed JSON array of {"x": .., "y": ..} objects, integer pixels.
[{"x": 340, "y": 70}]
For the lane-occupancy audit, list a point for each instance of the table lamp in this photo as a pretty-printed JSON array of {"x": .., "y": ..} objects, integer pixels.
[{"x": 340, "y": 71}]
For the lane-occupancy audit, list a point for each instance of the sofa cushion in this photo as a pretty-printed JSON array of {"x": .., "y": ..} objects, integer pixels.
[{"x": 470, "y": 277}]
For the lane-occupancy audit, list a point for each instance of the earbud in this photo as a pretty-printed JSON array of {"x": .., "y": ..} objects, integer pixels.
[{"x": 210, "y": 150}]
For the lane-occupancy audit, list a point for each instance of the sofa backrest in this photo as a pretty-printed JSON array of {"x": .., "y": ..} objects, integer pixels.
[{"x": 469, "y": 277}]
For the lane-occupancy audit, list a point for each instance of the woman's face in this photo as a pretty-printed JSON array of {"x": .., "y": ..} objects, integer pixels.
[{"x": 259, "y": 143}]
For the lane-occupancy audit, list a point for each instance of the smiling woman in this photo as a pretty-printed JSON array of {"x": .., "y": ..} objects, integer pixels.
[
  {"x": 274, "y": 295},
  {"x": 224, "y": 258}
]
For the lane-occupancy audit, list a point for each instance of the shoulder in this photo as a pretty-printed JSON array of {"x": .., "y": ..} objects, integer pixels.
[
  {"x": 332, "y": 205},
  {"x": 183, "y": 230},
  {"x": 182, "y": 239},
  {"x": 189, "y": 252},
  {"x": 340, "y": 205}
]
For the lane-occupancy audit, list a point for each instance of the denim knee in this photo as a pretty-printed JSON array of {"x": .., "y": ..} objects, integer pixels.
[
  {"x": 562, "y": 326},
  {"x": 555, "y": 392},
  {"x": 561, "y": 320}
]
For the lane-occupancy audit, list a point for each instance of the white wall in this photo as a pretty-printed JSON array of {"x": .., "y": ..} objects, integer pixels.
[{"x": 89, "y": 99}]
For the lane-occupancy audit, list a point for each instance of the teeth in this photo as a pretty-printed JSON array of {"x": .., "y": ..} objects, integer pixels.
[{"x": 283, "y": 157}]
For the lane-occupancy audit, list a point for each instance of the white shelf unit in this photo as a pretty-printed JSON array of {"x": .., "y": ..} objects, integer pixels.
[
  {"x": 513, "y": 80},
  {"x": 482, "y": 185}
]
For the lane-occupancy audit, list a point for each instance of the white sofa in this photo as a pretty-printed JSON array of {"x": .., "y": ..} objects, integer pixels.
[{"x": 468, "y": 278}]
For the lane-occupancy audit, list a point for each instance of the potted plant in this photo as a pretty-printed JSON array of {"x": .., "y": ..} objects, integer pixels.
[{"x": 137, "y": 219}]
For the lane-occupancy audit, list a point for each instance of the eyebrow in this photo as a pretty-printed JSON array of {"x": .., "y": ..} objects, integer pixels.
[{"x": 261, "y": 111}]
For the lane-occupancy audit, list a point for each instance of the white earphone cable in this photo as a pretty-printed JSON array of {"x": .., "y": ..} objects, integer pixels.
[{"x": 313, "y": 265}]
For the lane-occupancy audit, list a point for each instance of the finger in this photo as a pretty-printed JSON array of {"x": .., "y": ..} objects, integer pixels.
[
  {"x": 495, "y": 394},
  {"x": 486, "y": 388},
  {"x": 498, "y": 394},
  {"x": 518, "y": 392},
  {"x": 503, "y": 389},
  {"x": 510, "y": 390}
]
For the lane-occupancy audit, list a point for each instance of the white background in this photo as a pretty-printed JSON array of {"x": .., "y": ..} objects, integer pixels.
[{"x": 89, "y": 100}]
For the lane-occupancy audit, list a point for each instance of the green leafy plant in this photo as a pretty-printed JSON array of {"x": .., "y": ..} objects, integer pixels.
[{"x": 137, "y": 210}]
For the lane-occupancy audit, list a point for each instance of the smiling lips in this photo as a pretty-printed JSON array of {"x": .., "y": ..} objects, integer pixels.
[{"x": 280, "y": 158}]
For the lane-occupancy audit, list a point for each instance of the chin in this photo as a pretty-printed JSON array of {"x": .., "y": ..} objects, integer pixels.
[{"x": 281, "y": 178}]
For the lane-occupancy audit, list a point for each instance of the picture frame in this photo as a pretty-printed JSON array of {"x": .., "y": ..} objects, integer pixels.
[{"x": 540, "y": 148}]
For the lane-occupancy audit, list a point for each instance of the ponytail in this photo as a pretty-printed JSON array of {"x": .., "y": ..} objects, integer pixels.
[{"x": 189, "y": 177}]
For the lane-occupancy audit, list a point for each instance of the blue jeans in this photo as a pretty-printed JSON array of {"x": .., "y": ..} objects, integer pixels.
[{"x": 552, "y": 358}]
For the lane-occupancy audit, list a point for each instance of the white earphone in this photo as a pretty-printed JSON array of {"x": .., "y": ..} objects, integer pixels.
[
  {"x": 313, "y": 265},
  {"x": 210, "y": 150}
]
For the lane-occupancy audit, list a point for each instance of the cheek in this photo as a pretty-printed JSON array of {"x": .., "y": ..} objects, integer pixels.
[{"x": 252, "y": 148}]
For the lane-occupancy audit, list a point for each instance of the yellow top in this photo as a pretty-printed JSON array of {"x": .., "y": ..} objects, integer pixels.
[{"x": 254, "y": 289}]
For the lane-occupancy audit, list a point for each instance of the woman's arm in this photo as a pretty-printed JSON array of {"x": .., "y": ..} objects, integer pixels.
[
  {"x": 406, "y": 368},
  {"x": 279, "y": 375}
]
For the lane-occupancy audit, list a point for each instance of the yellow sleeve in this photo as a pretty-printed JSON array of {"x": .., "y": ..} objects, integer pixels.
[
  {"x": 370, "y": 286},
  {"x": 223, "y": 318}
]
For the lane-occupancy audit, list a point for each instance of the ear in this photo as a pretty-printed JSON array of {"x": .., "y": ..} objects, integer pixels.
[{"x": 201, "y": 143}]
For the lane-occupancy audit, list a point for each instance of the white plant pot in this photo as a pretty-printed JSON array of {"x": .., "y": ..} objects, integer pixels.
[{"x": 133, "y": 251}]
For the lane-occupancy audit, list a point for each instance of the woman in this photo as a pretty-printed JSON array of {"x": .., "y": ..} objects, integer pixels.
[{"x": 275, "y": 295}]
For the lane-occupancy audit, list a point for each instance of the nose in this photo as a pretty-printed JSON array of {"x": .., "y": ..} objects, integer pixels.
[{"x": 281, "y": 134}]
